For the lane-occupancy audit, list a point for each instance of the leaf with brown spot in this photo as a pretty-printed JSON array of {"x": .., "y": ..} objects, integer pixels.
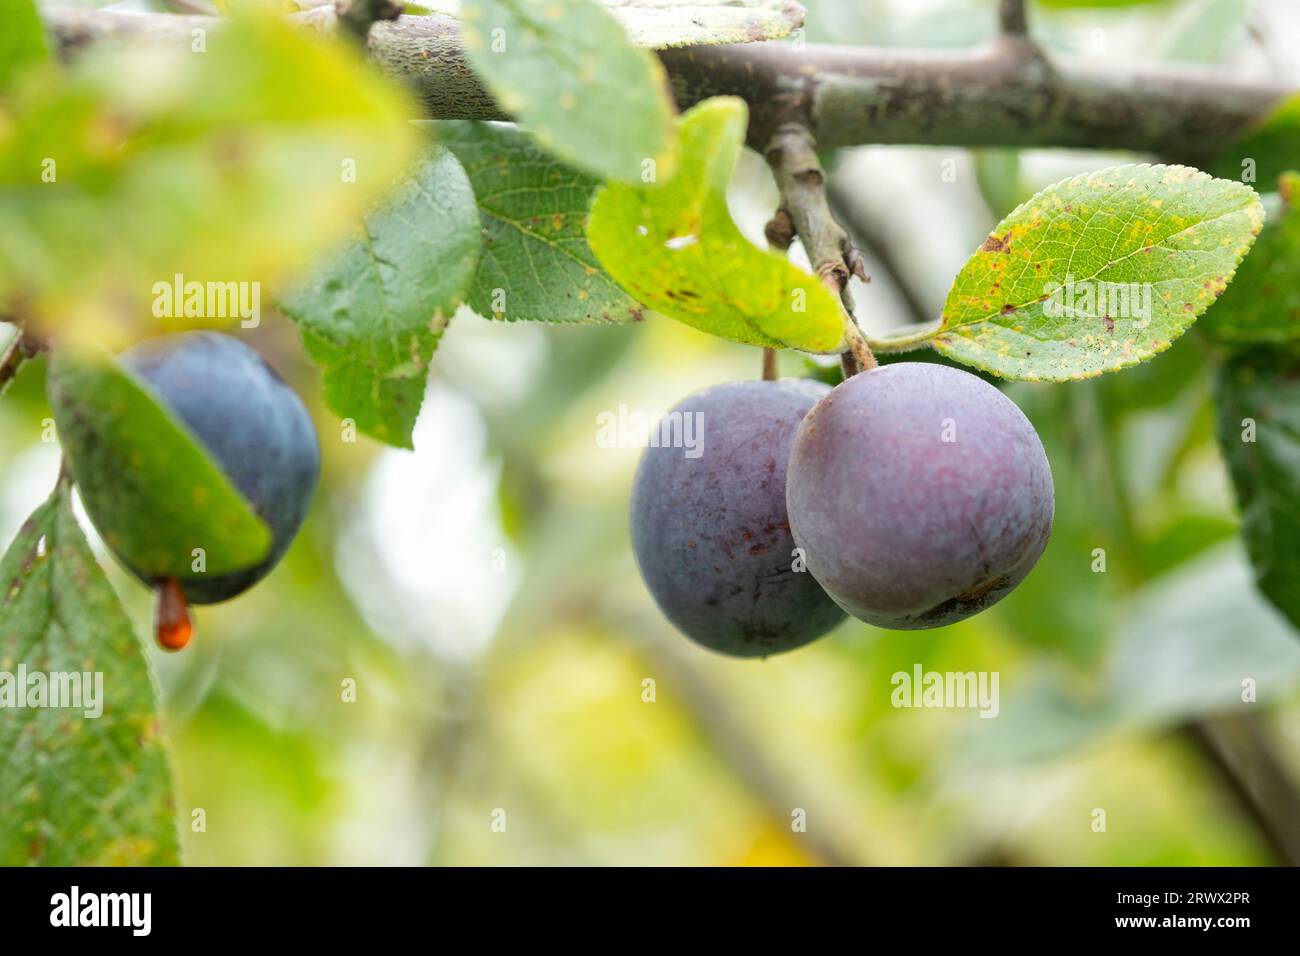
[
  {"x": 1263, "y": 301},
  {"x": 996, "y": 243},
  {"x": 1084, "y": 234},
  {"x": 99, "y": 791},
  {"x": 525, "y": 274}
]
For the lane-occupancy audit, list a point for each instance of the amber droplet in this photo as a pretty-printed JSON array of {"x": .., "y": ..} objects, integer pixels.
[{"x": 173, "y": 624}]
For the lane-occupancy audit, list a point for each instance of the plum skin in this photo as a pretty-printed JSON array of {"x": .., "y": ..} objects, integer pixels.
[
  {"x": 904, "y": 529},
  {"x": 710, "y": 533},
  {"x": 252, "y": 424}
]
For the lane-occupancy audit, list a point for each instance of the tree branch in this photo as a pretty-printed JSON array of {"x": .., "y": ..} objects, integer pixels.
[
  {"x": 875, "y": 243},
  {"x": 1243, "y": 758},
  {"x": 1004, "y": 94},
  {"x": 792, "y": 155},
  {"x": 356, "y": 17},
  {"x": 1011, "y": 18},
  {"x": 737, "y": 746}
]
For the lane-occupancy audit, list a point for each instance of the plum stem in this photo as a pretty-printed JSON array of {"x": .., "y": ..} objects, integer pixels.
[
  {"x": 173, "y": 626},
  {"x": 805, "y": 212},
  {"x": 874, "y": 240},
  {"x": 780, "y": 234}
]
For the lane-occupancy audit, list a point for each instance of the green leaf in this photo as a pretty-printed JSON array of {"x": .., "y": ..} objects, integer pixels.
[
  {"x": 1098, "y": 272},
  {"x": 565, "y": 68},
  {"x": 1259, "y": 433},
  {"x": 673, "y": 246},
  {"x": 77, "y": 790},
  {"x": 372, "y": 312},
  {"x": 1267, "y": 151},
  {"x": 1263, "y": 302},
  {"x": 153, "y": 491},
  {"x": 22, "y": 41},
  {"x": 232, "y": 165},
  {"x": 536, "y": 264}
]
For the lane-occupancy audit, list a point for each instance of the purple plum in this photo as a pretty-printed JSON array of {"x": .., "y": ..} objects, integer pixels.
[
  {"x": 709, "y": 525},
  {"x": 920, "y": 495}
]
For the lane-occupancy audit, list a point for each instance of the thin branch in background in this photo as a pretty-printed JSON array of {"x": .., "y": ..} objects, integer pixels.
[
  {"x": 200, "y": 7},
  {"x": 792, "y": 155},
  {"x": 1257, "y": 28},
  {"x": 357, "y": 16},
  {"x": 1245, "y": 760},
  {"x": 734, "y": 743},
  {"x": 873, "y": 241},
  {"x": 1011, "y": 18}
]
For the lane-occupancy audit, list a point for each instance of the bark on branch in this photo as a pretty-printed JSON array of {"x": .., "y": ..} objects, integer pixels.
[{"x": 1004, "y": 94}]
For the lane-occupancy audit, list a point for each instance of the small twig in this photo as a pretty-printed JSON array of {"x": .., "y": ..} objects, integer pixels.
[
  {"x": 769, "y": 365},
  {"x": 22, "y": 346},
  {"x": 779, "y": 231},
  {"x": 1252, "y": 773},
  {"x": 1011, "y": 18},
  {"x": 357, "y": 16},
  {"x": 792, "y": 155}
]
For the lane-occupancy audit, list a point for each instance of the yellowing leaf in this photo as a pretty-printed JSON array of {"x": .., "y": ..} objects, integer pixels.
[
  {"x": 674, "y": 247},
  {"x": 1098, "y": 272}
]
